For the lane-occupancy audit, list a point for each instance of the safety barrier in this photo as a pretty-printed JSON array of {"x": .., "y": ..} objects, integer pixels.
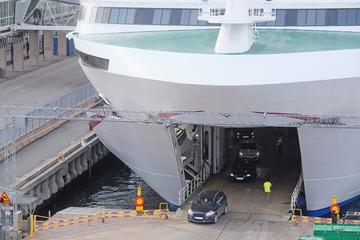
[
  {"x": 300, "y": 219},
  {"x": 101, "y": 215}
]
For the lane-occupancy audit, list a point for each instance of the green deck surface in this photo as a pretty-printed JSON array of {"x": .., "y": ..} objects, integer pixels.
[{"x": 269, "y": 41}]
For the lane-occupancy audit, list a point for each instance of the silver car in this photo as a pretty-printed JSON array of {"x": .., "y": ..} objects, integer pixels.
[{"x": 249, "y": 149}]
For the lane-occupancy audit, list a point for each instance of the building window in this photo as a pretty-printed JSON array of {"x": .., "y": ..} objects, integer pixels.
[
  {"x": 342, "y": 16},
  {"x": 93, "y": 14},
  {"x": 351, "y": 17},
  {"x": 165, "y": 19},
  {"x": 157, "y": 16},
  {"x": 193, "y": 17},
  {"x": 114, "y": 15},
  {"x": 185, "y": 16},
  {"x": 280, "y": 18},
  {"x": 320, "y": 17},
  {"x": 130, "y": 16},
  {"x": 311, "y": 17},
  {"x": 99, "y": 14},
  {"x": 301, "y": 17},
  {"x": 122, "y": 15}
]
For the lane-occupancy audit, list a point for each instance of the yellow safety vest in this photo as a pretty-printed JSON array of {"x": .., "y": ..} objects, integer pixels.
[{"x": 267, "y": 186}]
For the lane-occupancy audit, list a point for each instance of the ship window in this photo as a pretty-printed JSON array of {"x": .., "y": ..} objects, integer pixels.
[
  {"x": 122, "y": 15},
  {"x": 185, "y": 15},
  {"x": 280, "y": 18},
  {"x": 139, "y": 16},
  {"x": 320, "y": 17},
  {"x": 106, "y": 15},
  {"x": 291, "y": 17},
  {"x": 157, "y": 16},
  {"x": 148, "y": 16},
  {"x": 165, "y": 19},
  {"x": 114, "y": 15},
  {"x": 175, "y": 17},
  {"x": 301, "y": 19},
  {"x": 193, "y": 17},
  {"x": 331, "y": 17},
  {"x": 202, "y": 23},
  {"x": 130, "y": 16},
  {"x": 342, "y": 15},
  {"x": 271, "y": 23},
  {"x": 99, "y": 14},
  {"x": 93, "y": 14},
  {"x": 351, "y": 18},
  {"x": 311, "y": 17}
]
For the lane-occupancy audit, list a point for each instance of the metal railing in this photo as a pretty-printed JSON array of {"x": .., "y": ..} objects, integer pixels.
[
  {"x": 296, "y": 193},
  {"x": 192, "y": 185},
  {"x": 101, "y": 215},
  {"x": 75, "y": 98}
]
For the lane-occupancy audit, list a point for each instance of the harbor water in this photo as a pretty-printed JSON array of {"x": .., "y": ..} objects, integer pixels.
[{"x": 112, "y": 185}]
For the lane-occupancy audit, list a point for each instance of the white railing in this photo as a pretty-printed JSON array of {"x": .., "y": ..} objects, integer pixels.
[
  {"x": 296, "y": 193},
  {"x": 190, "y": 186}
]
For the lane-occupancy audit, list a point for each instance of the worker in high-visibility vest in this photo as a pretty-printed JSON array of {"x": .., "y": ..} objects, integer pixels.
[{"x": 267, "y": 190}]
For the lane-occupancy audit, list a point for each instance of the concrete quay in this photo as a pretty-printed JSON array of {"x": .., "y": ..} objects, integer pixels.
[
  {"x": 230, "y": 226},
  {"x": 48, "y": 162}
]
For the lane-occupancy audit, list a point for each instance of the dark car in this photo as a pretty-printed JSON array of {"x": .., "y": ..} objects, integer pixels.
[
  {"x": 208, "y": 206},
  {"x": 243, "y": 169},
  {"x": 244, "y": 133}
]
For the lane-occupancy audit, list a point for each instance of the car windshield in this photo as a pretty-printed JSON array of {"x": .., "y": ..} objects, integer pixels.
[
  {"x": 248, "y": 146},
  {"x": 205, "y": 201},
  {"x": 242, "y": 165}
]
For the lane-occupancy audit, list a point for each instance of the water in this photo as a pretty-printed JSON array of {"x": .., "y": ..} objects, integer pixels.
[
  {"x": 269, "y": 41},
  {"x": 112, "y": 185}
]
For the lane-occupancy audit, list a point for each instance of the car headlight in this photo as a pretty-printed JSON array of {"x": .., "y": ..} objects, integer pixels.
[
  {"x": 258, "y": 153},
  {"x": 241, "y": 153},
  {"x": 210, "y": 213},
  {"x": 190, "y": 212},
  {"x": 231, "y": 174},
  {"x": 248, "y": 175}
]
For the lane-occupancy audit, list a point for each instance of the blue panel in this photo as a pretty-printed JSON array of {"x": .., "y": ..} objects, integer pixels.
[
  {"x": 311, "y": 17},
  {"x": 70, "y": 47},
  {"x": 114, "y": 15},
  {"x": 185, "y": 16},
  {"x": 351, "y": 17},
  {"x": 301, "y": 20},
  {"x": 272, "y": 23},
  {"x": 157, "y": 16},
  {"x": 55, "y": 45},
  {"x": 320, "y": 17},
  {"x": 358, "y": 17},
  {"x": 280, "y": 18},
  {"x": 342, "y": 16}
]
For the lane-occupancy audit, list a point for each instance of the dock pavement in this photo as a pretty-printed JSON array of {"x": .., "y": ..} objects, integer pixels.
[{"x": 37, "y": 86}]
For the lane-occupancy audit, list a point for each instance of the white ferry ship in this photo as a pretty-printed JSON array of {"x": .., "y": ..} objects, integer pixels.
[{"x": 161, "y": 56}]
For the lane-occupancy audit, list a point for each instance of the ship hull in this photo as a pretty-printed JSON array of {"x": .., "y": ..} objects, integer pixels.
[{"x": 321, "y": 83}]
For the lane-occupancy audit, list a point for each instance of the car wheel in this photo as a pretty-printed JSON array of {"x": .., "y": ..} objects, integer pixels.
[
  {"x": 225, "y": 210},
  {"x": 215, "y": 218}
]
